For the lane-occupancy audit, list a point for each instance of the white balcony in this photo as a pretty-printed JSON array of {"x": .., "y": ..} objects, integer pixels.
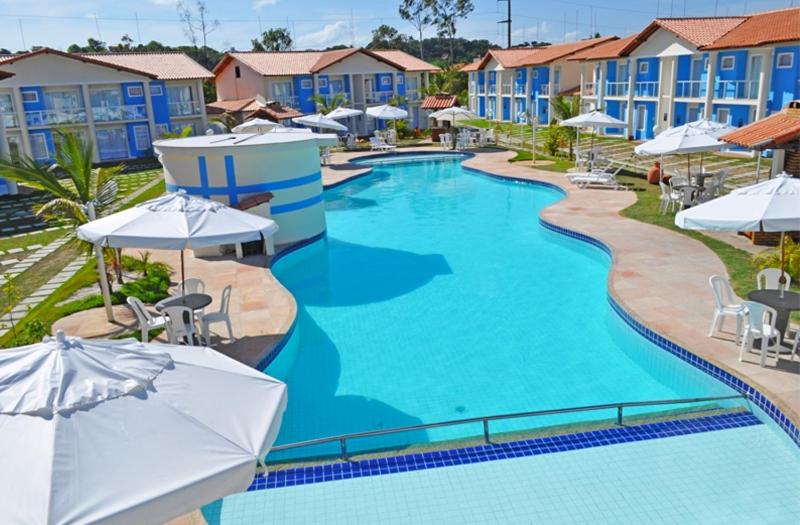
[
  {"x": 378, "y": 97},
  {"x": 481, "y": 89},
  {"x": 55, "y": 117},
  {"x": 492, "y": 89},
  {"x": 617, "y": 89},
  {"x": 414, "y": 95},
  {"x": 588, "y": 89},
  {"x": 519, "y": 90},
  {"x": 119, "y": 113},
  {"x": 736, "y": 89},
  {"x": 506, "y": 89},
  {"x": 544, "y": 90},
  {"x": 10, "y": 119},
  {"x": 690, "y": 89},
  {"x": 185, "y": 109},
  {"x": 646, "y": 89}
]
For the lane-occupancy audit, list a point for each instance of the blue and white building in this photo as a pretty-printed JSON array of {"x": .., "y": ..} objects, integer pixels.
[
  {"x": 121, "y": 101},
  {"x": 728, "y": 69}
]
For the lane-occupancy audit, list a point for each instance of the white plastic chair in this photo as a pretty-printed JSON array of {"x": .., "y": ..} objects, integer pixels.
[
  {"x": 220, "y": 316},
  {"x": 350, "y": 142},
  {"x": 760, "y": 325},
  {"x": 180, "y": 325},
  {"x": 688, "y": 196},
  {"x": 191, "y": 285},
  {"x": 725, "y": 306},
  {"x": 444, "y": 141},
  {"x": 325, "y": 155},
  {"x": 378, "y": 145},
  {"x": 147, "y": 322},
  {"x": 769, "y": 279},
  {"x": 597, "y": 178},
  {"x": 669, "y": 198}
]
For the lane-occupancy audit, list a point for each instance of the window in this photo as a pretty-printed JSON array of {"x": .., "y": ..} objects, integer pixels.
[
  {"x": 135, "y": 91},
  {"x": 727, "y": 63},
  {"x": 723, "y": 115},
  {"x": 156, "y": 91},
  {"x": 67, "y": 99},
  {"x": 305, "y": 83},
  {"x": 644, "y": 68},
  {"x": 337, "y": 85},
  {"x": 281, "y": 90},
  {"x": 323, "y": 82},
  {"x": 39, "y": 146},
  {"x": 30, "y": 96},
  {"x": 519, "y": 74},
  {"x": 535, "y": 73},
  {"x": 141, "y": 137},
  {"x": 784, "y": 60},
  {"x": 112, "y": 143},
  {"x": 386, "y": 80},
  {"x": 162, "y": 129},
  {"x": 400, "y": 79},
  {"x": 237, "y": 72}
]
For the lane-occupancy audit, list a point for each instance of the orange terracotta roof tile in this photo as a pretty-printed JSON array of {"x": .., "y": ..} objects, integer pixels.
[
  {"x": 762, "y": 28},
  {"x": 771, "y": 132},
  {"x": 229, "y": 106},
  {"x": 472, "y": 66},
  {"x": 162, "y": 65},
  {"x": 700, "y": 31},
  {"x": 440, "y": 101},
  {"x": 285, "y": 63},
  {"x": 10, "y": 59},
  {"x": 328, "y": 58},
  {"x": 603, "y": 51},
  {"x": 535, "y": 56},
  {"x": 406, "y": 61}
]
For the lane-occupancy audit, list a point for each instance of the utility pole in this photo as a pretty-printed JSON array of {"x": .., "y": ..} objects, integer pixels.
[{"x": 507, "y": 21}]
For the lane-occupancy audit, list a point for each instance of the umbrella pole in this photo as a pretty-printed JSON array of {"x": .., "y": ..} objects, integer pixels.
[
  {"x": 101, "y": 269},
  {"x": 758, "y": 167},
  {"x": 782, "y": 279},
  {"x": 183, "y": 277}
]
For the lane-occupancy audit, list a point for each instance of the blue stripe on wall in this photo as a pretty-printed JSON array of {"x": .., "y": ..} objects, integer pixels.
[
  {"x": 230, "y": 175},
  {"x": 203, "y": 169},
  {"x": 294, "y": 206}
]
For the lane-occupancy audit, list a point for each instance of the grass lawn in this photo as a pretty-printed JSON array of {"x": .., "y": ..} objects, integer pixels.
[
  {"x": 556, "y": 164},
  {"x": 42, "y": 237}
]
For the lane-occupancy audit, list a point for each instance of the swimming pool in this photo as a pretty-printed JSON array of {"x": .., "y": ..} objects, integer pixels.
[{"x": 437, "y": 295}]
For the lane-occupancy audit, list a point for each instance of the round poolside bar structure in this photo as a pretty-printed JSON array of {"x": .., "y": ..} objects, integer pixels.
[{"x": 232, "y": 167}]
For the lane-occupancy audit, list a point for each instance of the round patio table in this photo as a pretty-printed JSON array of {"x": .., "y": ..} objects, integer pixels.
[
  {"x": 195, "y": 301},
  {"x": 783, "y": 305}
]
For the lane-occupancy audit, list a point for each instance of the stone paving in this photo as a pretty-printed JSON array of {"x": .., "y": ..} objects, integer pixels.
[{"x": 12, "y": 270}]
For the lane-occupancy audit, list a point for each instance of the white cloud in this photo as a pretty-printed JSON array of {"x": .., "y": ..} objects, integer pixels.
[
  {"x": 258, "y": 4},
  {"x": 570, "y": 36},
  {"x": 335, "y": 33},
  {"x": 166, "y": 3}
]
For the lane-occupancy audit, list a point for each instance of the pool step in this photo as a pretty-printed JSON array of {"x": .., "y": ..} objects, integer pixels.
[{"x": 496, "y": 451}]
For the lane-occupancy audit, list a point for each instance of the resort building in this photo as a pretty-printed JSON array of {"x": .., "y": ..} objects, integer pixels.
[
  {"x": 506, "y": 84},
  {"x": 364, "y": 77},
  {"x": 122, "y": 101},
  {"x": 735, "y": 69}
]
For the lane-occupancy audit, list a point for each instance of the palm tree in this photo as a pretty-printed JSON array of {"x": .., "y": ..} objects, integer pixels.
[
  {"x": 566, "y": 108},
  {"x": 73, "y": 193},
  {"x": 326, "y": 105},
  {"x": 225, "y": 120}
]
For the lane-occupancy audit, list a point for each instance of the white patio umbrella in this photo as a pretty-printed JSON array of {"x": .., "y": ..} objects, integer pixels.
[
  {"x": 176, "y": 221},
  {"x": 454, "y": 115},
  {"x": 387, "y": 112},
  {"x": 319, "y": 121},
  {"x": 594, "y": 119},
  {"x": 116, "y": 431},
  {"x": 770, "y": 206},
  {"x": 285, "y": 129},
  {"x": 342, "y": 112},
  {"x": 256, "y": 125},
  {"x": 694, "y": 137}
]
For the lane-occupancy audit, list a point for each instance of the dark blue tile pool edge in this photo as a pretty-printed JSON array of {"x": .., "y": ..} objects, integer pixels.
[
  {"x": 739, "y": 385},
  {"x": 492, "y": 452}
]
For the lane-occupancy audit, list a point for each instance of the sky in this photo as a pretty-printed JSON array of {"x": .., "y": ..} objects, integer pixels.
[{"x": 321, "y": 23}]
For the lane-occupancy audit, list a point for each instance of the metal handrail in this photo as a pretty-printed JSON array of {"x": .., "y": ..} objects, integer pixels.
[{"x": 342, "y": 438}]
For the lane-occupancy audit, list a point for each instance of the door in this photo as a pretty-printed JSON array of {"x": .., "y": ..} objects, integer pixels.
[
  {"x": 693, "y": 114},
  {"x": 697, "y": 89},
  {"x": 753, "y": 76},
  {"x": 641, "y": 121},
  {"x": 112, "y": 143},
  {"x": 369, "y": 89}
]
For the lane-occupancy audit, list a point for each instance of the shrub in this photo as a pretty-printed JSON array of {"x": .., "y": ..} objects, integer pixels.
[
  {"x": 150, "y": 289},
  {"x": 554, "y": 139},
  {"x": 772, "y": 259}
]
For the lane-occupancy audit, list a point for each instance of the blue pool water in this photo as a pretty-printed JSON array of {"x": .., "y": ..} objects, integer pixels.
[{"x": 437, "y": 295}]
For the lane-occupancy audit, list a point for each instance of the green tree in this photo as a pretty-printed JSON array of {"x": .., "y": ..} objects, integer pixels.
[
  {"x": 387, "y": 37},
  {"x": 565, "y": 108},
  {"x": 326, "y": 105},
  {"x": 11, "y": 297},
  {"x": 447, "y": 13},
  {"x": 277, "y": 39},
  {"x": 418, "y": 13},
  {"x": 197, "y": 25},
  {"x": 82, "y": 185}
]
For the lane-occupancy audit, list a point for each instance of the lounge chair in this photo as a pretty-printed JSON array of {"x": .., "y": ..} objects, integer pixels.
[
  {"x": 379, "y": 145},
  {"x": 597, "y": 179}
]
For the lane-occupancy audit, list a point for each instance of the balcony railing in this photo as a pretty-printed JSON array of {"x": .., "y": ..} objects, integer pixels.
[
  {"x": 588, "y": 89},
  {"x": 378, "y": 97},
  {"x": 690, "y": 88},
  {"x": 544, "y": 90},
  {"x": 481, "y": 89},
  {"x": 646, "y": 89},
  {"x": 519, "y": 89},
  {"x": 617, "y": 89},
  {"x": 737, "y": 89},
  {"x": 506, "y": 89},
  {"x": 492, "y": 89},
  {"x": 55, "y": 117},
  {"x": 185, "y": 109},
  {"x": 10, "y": 120},
  {"x": 413, "y": 95},
  {"x": 117, "y": 113}
]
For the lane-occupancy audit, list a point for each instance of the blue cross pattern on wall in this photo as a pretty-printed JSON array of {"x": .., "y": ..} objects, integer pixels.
[{"x": 233, "y": 191}]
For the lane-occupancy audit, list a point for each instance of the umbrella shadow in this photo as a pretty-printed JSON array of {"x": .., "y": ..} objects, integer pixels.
[{"x": 340, "y": 273}]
